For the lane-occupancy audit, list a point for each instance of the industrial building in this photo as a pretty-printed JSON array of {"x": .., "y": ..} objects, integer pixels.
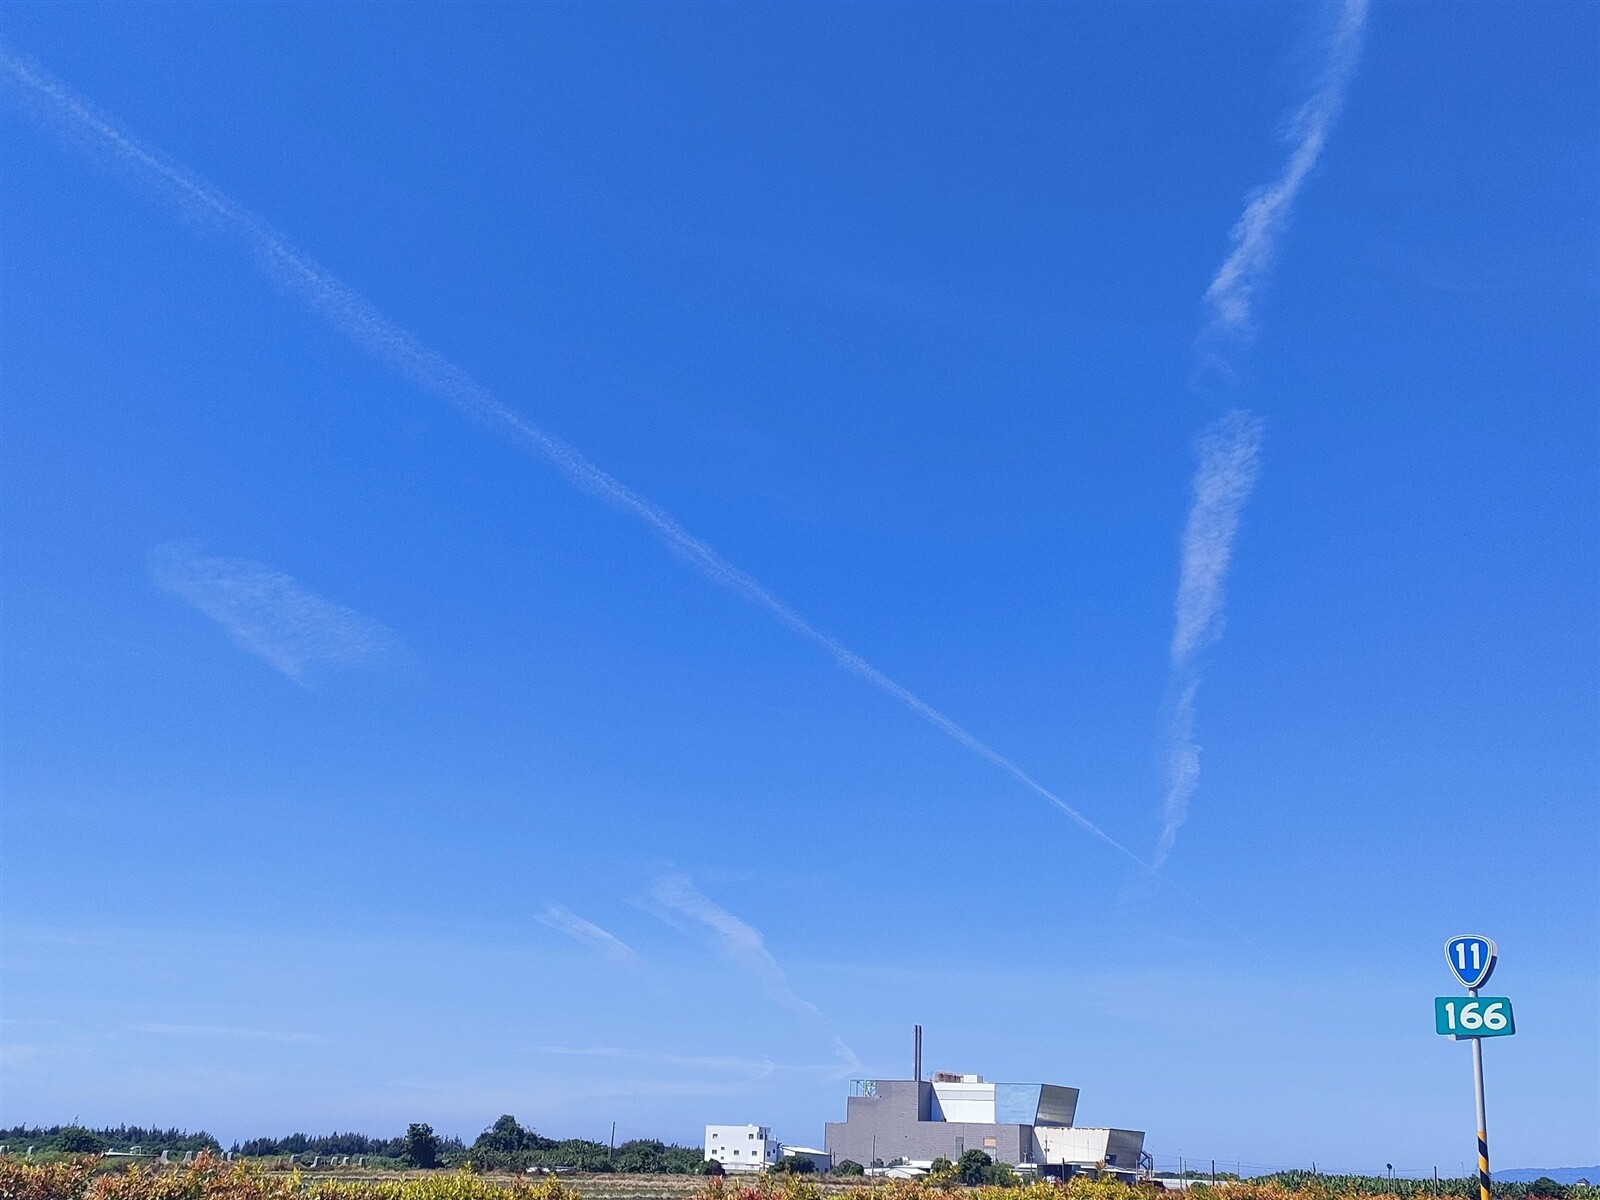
[{"x": 1027, "y": 1125}]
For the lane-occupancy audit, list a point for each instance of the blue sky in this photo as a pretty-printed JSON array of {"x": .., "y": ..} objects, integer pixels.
[{"x": 360, "y": 768}]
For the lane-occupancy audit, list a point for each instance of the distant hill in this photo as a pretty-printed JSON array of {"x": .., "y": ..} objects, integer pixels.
[{"x": 1559, "y": 1174}]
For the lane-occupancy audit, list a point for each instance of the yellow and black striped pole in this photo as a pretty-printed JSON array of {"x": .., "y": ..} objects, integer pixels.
[{"x": 1483, "y": 1121}]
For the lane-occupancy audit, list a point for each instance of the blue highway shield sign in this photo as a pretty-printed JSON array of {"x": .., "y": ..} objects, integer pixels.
[{"x": 1471, "y": 959}]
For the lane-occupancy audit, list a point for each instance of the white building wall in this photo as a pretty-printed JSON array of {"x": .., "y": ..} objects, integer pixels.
[
  {"x": 1056, "y": 1145},
  {"x": 741, "y": 1147},
  {"x": 964, "y": 1101}
]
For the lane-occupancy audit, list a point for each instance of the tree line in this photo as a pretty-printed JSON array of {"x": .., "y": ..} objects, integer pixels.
[
  {"x": 75, "y": 1139},
  {"x": 506, "y": 1145}
]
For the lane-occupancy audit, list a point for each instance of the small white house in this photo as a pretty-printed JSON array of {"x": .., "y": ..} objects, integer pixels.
[{"x": 741, "y": 1147}]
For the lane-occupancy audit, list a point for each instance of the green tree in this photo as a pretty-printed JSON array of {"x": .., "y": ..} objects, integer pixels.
[
  {"x": 75, "y": 1139},
  {"x": 422, "y": 1146},
  {"x": 712, "y": 1167},
  {"x": 504, "y": 1146},
  {"x": 848, "y": 1166},
  {"x": 794, "y": 1164},
  {"x": 642, "y": 1157},
  {"x": 1001, "y": 1175},
  {"x": 972, "y": 1168}
]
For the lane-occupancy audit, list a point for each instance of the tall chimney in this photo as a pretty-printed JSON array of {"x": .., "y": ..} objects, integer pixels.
[{"x": 916, "y": 1053}]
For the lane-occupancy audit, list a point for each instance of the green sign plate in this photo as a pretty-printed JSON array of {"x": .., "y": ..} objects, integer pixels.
[{"x": 1473, "y": 1016}]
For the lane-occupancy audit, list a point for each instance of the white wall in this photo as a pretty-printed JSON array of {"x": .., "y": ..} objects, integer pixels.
[
  {"x": 1053, "y": 1144},
  {"x": 964, "y": 1102},
  {"x": 741, "y": 1147}
]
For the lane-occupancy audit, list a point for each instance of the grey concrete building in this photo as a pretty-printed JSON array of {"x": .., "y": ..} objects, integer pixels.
[{"x": 916, "y": 1121}]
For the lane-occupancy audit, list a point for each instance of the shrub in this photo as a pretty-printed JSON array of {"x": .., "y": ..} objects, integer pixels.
[{"x": 42, "y": 1181}]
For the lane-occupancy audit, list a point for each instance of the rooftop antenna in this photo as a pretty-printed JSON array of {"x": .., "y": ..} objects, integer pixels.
[{"x": 916, "y": 1053}]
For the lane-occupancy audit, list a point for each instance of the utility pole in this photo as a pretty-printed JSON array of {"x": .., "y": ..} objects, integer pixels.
[
  {"x": 611, "y": 1151},
  {"x": 1213, "y": 1172}
]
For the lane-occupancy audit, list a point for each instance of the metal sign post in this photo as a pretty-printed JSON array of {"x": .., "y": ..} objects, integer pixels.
[
  {"x": 1483, "y": 1119},
  {"x": 1472, "y": 960}
]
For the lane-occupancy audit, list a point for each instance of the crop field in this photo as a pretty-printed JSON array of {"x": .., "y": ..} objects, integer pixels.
[{"x": 210, "y": 1178}]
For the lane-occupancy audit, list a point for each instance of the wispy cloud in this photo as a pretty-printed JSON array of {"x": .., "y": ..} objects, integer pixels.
[
  {"x": 357, "y": 319},
  {"x": 563, "y": 920},
  {"x": 1232, "y": 293},
  {"x": 742, "y": 946},
  {"x": 1182, "y": 770},
  {"x": 227, "y": 1033},
  {"x": 1229, "y": 453},
  {"x": 269, "y": 613}
]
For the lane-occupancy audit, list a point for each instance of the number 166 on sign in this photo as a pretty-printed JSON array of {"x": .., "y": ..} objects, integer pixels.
[{"x": 1473, "y": 1016}]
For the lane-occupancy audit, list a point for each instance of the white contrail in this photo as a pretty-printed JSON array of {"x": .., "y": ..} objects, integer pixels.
[
  {"x": 563, "y": 920},
  {"x": 1230, "y": 450},
  {"x": 1255, "y": 237},
  {"x": 737, "y": 941},
  {"x": 1183, "y": 770},
  {"x": 742, "y": 945},
  {"x": 355, "y": 317},
  {"x": 268, "y": 613},
  {"x": 1230, "y": 453}
]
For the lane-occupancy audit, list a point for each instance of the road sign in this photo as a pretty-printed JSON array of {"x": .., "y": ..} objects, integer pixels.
[
  {"x": 1471, "y": 959},
  {"x": 1473, "y": 1016}
]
